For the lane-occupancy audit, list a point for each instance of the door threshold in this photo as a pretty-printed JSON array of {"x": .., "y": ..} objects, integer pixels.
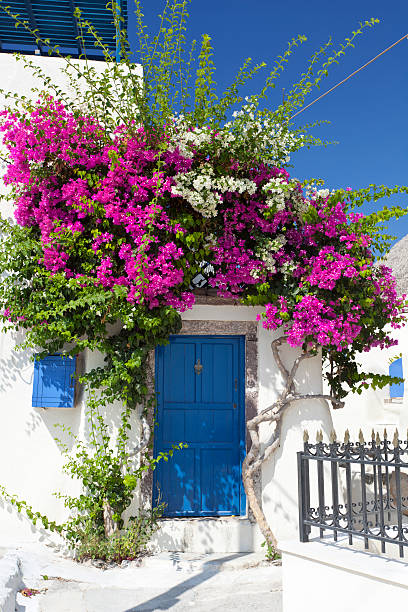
[{"x": 203, "y": 518}]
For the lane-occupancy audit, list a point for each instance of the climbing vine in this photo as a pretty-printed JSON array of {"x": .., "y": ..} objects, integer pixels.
[{"x": 125, "y": 190}]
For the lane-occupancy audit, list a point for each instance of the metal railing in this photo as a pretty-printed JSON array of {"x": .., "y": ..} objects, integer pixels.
[{"x": 359, "y": 489}]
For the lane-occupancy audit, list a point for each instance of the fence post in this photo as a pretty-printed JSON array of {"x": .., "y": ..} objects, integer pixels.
[
  {"x": 398, "y": 501},
  {"x": 303, "y": 487}
]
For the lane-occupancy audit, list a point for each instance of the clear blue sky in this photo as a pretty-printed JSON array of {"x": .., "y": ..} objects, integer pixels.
[{"x": 368, "y": 114}]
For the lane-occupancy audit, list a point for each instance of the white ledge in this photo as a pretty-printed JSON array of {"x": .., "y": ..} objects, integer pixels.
[{"x": 347, "y": 558}]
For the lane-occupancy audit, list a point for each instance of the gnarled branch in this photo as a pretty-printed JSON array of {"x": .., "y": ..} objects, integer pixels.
[{"x": 273, "y": 414}]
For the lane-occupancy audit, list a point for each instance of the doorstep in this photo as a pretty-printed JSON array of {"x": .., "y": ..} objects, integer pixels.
[
  {"x": 193, "y": 562},
  {"x": 207, "y": 535}
]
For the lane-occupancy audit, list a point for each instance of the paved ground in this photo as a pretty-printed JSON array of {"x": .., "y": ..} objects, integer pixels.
[{"x": 167, "y": 582}]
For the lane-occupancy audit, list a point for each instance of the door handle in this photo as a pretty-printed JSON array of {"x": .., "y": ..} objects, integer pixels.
[{"x": 198, "y": 367}]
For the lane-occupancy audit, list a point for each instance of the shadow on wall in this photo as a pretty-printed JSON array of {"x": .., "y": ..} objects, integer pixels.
[
  {"x": 52, "y": 540},
  {"x": 16, "y": 385},
  {"x": 280, "y": 474},
  {"x": 56, "y": 420},
  {"x": 183, "y": 537},
  {"x": 280, "y": 508},
  {"x": 18, "y": 367}
]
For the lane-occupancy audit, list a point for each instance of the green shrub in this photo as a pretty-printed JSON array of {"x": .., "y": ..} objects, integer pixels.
[{"x": 127, "y": 544}]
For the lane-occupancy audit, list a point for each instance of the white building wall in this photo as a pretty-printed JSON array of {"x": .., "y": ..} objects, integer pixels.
[
  {"x": 371, "y": 410},
  {"x": 30, "y": 461},
  {"x": 325, "y": 576}
]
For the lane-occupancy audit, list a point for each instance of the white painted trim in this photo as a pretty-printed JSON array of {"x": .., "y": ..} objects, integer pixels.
[{"x": 349, "y": 559}]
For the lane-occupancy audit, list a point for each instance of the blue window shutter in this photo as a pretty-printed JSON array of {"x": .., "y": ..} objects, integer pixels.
[
  {"x": 56, "y": 21},
  {"x": 395, "y": 369},
  {"x": 54, "y": 382}
]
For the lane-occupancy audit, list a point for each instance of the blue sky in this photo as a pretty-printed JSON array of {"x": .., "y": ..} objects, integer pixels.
[{"x": 368, "y": 114}]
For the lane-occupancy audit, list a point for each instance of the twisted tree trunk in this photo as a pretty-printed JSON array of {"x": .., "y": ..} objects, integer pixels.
[
  {"x": 109, "y": 524},
  {"x": 273, "y": 414}
]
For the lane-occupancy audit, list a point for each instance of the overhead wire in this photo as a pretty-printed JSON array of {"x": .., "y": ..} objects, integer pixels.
[{"x": 405, "y": 37}]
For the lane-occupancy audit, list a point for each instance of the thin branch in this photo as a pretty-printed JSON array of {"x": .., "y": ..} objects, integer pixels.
[
  {"x": 275, "y": 344},
  {"x": 294, "y": 370}
]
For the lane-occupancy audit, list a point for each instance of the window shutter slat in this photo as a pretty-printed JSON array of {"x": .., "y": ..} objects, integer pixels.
[{"x": 54, "y": 382}]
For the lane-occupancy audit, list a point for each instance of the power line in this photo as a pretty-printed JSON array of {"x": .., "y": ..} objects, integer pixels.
[{"x": 350, "y": 75}]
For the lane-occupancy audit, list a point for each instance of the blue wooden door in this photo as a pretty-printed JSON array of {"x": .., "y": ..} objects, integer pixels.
[{"x": 200, "y": 385}]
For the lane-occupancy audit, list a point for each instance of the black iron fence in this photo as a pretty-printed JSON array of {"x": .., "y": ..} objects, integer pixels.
[{"x": 359, "y": 489}]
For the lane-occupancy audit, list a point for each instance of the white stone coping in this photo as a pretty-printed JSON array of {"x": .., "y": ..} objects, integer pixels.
[
  {"x": 10, "y": 582},
  {"x": 346, "y": 558}
]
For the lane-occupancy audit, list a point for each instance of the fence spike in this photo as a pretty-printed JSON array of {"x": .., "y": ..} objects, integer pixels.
[
  {"x": 346, "y": 436},
  {"x": 361, "y": 437},
  {"x": 305, "y": 435},
  {"x": 378, "y": 439},
  {"x": 333, "y": 436},
  {"x": 385, "y": 433},
  {"x": 395, "y": 440},
  {"x": 373, "y": 434}
]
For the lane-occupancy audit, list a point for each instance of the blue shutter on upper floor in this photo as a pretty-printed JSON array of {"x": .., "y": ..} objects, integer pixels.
[
  {"x": 54, "y": 382},
  {"x": 395, "y": 369},
  {"x": 57, "y": 22}
]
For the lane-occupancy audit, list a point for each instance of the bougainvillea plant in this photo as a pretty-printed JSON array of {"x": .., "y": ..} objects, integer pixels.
[{"x": 123, "y": 193}]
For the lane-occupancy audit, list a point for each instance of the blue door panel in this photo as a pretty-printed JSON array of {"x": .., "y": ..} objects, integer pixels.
[
  {"x": 177, "y": 477},
  {"x": 173, "y": 425},
  {"x": 180, "y": 359},
  {"x": 203, "y": 408},
  {"x": 217, "y": 374},
  {"x": 215, "y": 426},
  {"x": 219, "y": 482}
]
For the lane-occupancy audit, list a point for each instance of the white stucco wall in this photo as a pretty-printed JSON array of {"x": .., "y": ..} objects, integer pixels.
[
  {"x": 327, "y": 576},
  {"x": 20, "y": 80},
  {"x": 370, "y": 410},
  {"x": 30, "y": 461}
]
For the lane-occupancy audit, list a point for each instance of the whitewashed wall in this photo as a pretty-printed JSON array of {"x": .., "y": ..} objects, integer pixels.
[
  {"x": 30, "y": 461},
  {"x": 337, "y": 577},
  {"x": 370, "y": 410}
]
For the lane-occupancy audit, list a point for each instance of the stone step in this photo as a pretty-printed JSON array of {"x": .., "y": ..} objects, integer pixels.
[
  {"x": 207, "y": 535},
  {"x": 194, "y": 562}
]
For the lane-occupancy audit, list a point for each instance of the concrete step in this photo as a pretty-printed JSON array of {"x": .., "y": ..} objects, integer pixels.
[
  {"x": 193, "y": 562},
  {"x": 208, "y": 535}
]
